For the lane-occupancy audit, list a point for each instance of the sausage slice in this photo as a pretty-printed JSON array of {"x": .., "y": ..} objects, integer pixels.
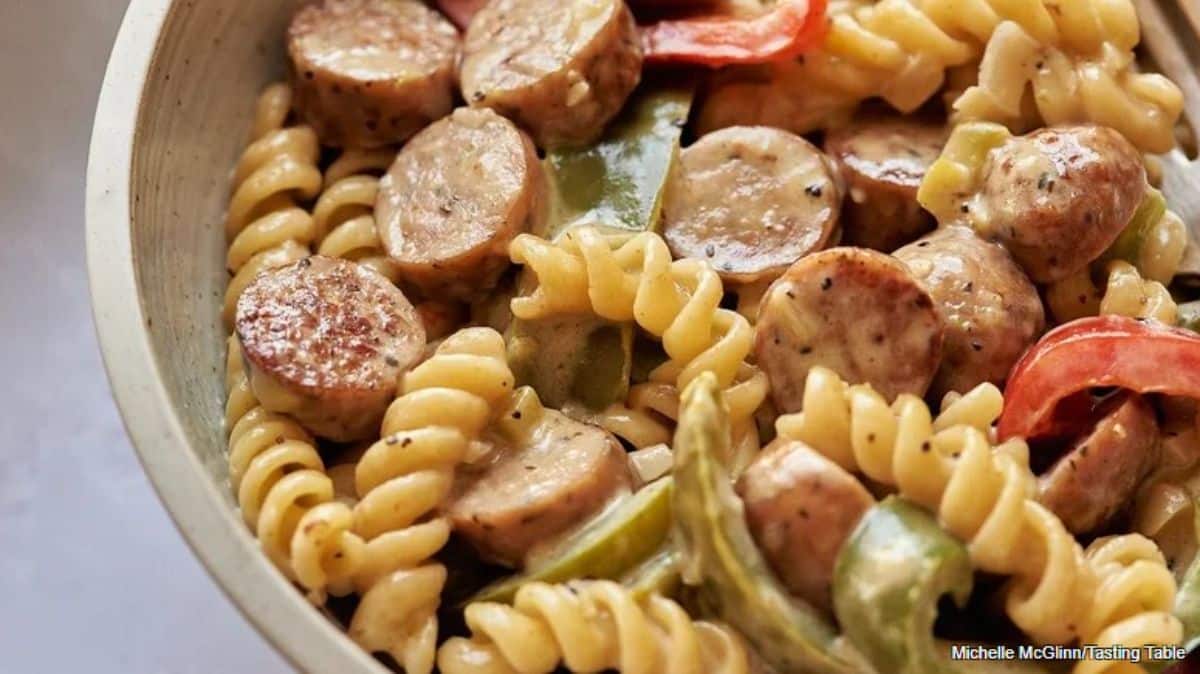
[
  {"x": 455, "y": 197},
  {"x": 368, "y": 73},
  {"x": 1100, "y": 473},
  {"x": 561, "y": 474},
  {"x": 1058, "y": 197},
  {"x": 751, "y": 200},
  {"x": 992, "y": 311},
  {"x": 883, "y": 160},
  {"x": 560, "y": 68},
  {"x": 801, "y": 507},
  {"x": 856, "y": 311},
  {"x": 326, "y": 340}
]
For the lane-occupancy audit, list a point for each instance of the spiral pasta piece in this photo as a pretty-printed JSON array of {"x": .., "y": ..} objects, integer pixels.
[
  {"x": 1102, "y": 87},
  {"x": 982, "y": 493},
  {"x": 651, "y": 410},
  {"x": 1133, "y": 602},
  {"x": 344, "y": 215},
  {"x": 402, "y": 479},
  {"x": 644, "y": 419},
  {"x": 891, "y": 49},
  {"x": 1125, "y": 293},
  {"x": 901, "y": 50},
  {"x": 623, "y": 278},
  {"x": 590, "y": 626},
  {"x": 285, "y": 495},
  {"x": 265, "y": 225}
]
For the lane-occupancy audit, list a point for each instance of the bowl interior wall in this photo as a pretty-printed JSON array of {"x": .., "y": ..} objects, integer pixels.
[{"x": 211, "y": 61}]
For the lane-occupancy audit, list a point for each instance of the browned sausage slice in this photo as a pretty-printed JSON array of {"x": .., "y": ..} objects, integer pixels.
[
  {"x": 1058, "y": 197},
  {"x": 992, "y": 311},
  {"x": 457, "y": 194},
  {"x": 801, "y": 507},
  {"x": 883, "y": 160},
  {"x": 561, "y": 474},
  {"x": 560, "y": 68},
  {"x": 368, "y": 73},
  {"x": 855, "y": 311},
  {"x": 1100, "y": 473},
  {"x": 326, "y": 341},
  {"x": 751, "y": 200}
]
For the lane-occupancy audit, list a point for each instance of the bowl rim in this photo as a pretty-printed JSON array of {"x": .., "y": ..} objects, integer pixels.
[{"x": 215, "y": 533}]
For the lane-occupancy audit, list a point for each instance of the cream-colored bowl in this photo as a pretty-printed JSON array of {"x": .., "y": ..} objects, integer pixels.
[{"x": 174, "y": 113}]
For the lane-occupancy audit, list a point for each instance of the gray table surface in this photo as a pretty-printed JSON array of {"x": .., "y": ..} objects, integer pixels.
[{"x": 93, "y": 575}]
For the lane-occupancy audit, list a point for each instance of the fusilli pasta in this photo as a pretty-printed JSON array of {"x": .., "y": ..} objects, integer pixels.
[
  {"x": 265, "y": 225},
  {"x": 1133, "y": 601},
  {"x": 1125, "y": 293},
  {"x": 1164, "y": 509},
  {"x": 1101, "y": 86},
  {"x": 901, "y": 51},
  {"x": 286, "y": 497},
  {"x": 624, "y": 278},
  {"x": 642, "y": 419},
  {"x": 401, "y": 479},
  {"x": 344, "y": 215},
  {"x": 590, "y": 626},
  {"x": 982, "y": 493}
]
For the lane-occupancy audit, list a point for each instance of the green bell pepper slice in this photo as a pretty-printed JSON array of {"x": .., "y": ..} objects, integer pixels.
[
  {"x": 658, "y": 574},
  {"x": 1150, "y": 212},
  {"x": 618, "y": 183},
  {"x": 611, "y": 545},
  {"x": 720, "y": 558},
  {"x": 1187, "y": 605},
  {"x": 572, "y": 360},
  {"x": 583, "y": 363},
  {"x": 887, "y": 582},
  {"x": 1187, "y": 597}
]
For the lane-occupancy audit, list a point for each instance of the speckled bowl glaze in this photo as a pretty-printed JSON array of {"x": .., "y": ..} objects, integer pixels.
[{"x": 174, "y": 113}]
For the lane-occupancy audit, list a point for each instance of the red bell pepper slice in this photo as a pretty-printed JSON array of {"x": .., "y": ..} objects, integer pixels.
[
  {"x": 1102, "y": 351},
  {"x": 787, "y": 30}
]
